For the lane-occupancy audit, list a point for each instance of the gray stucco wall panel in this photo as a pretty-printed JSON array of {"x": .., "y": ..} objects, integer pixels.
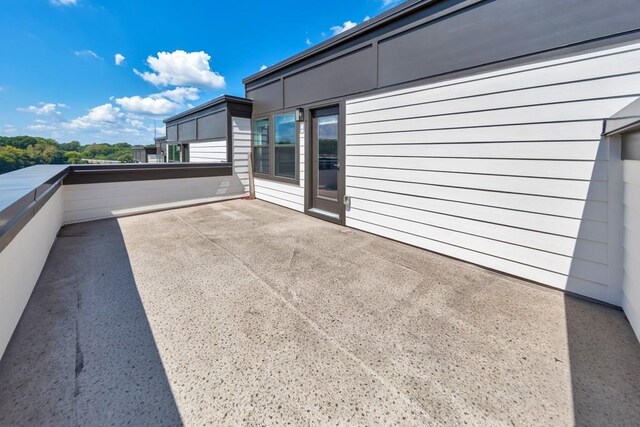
[
  {"x": 187, "y": 131},
  {"x": 267, "y": 98},
  {"x": 497, "y": 31},
  {"x": 351, "y": 73},
  {"x": 172, "y": 133},
  {"x": 213, "y": 126}
]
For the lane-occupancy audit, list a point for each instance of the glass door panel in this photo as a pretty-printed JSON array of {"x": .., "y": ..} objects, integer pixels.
[{"x": 326, "y": 148}]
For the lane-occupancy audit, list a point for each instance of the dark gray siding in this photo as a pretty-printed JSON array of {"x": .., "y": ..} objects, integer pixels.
[
  {"x": 172, "y": 133},
  {"x": 267, "y": 97},
  {"x": 496, "y": 31},
  {"x": 213, "y": 126},
  {"x": 187, "y": 131},
  {"x": 441, "y": 38},
  {"x": 347, "y": 74}
]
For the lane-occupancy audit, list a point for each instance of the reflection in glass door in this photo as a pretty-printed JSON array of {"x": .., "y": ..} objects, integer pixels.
[{"x": 326, "y": 160}]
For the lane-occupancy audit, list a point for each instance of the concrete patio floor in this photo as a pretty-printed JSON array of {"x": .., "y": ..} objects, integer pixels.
[{"x": 243, "y": 312}]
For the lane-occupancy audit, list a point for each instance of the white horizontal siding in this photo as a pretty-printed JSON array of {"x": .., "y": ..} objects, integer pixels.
[
  {"x": 288, "y": 195},
  {"x": 631, "y": 261},
  {"x": 552, "y": 150},
  {"x": 210, "y": 151},
  {"x": 575, "y": 170},
  {"x": 241, "y": 149},
  {"x": 528, "y": 238},
  {"x": 284, "y": 194},
  {"x": 546, "y": 113},
  {"x": 525, "y": 219},
  {"x": 602, "y": 88},
  {"x": 547, "y": 205},
  {"x": 510, "y": 133},
  {"x": 88, "y": 202},
  {"x": 569, "y": 189},
  {"x": 505, "y": 169}
]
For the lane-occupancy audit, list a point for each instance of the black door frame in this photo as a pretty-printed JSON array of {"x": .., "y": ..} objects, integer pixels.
[{"x": 308, "y": 160}]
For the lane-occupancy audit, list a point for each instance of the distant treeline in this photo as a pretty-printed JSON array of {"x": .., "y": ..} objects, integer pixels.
[{"x": 18, "y": 152}]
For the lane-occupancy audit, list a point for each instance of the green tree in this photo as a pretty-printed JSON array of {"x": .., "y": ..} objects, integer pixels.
[
  {"x": 125, "y": 158},
  {"x": 74, "y": 157},
  {"x": 21, "y": 151},
  {"x": 12, "y": 158},
  {"x": 71, "y": 146}
]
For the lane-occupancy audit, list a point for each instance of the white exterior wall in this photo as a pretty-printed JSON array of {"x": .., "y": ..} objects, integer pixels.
[
  {"x": 241, "y": 149},
  {"x": 631, "y": 282},
  {"x": 288, "y": 195},
  {"x": 88, "y": 202},
  {"x": 206, "y": 152},
  {"x": 505, "y": 169},
  {"x": 22, "y": 261}
]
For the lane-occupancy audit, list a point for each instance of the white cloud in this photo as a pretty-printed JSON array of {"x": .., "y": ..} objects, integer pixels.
[
  {"x": 135, "y": 123},
  {"x": 43, "y": 109},
  {"x": 42, "y": 127},
  {"x": 87, "y": 52},
  {"x": 119, "y": 58},
  {"x": 98, "y": 116},
  {"x": 366, "y": 18},
  {"x": 180, "y": 94},
  {"x": 147, "y": 105},
  {"x": 159, "y": 103},
  {"x": 342, "y": 28},
  {"x": 308, "y": 42},
  {"x": 387, "y": 3},
  {"x": 104, "y": 123},
  {"x": 182, "y": 68},
  {"x": 9, "y": 129},
  {"x": 64, "y": 2},
  {"x": 263, "y": 67}
]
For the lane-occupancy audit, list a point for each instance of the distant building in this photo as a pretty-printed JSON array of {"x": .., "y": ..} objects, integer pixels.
[
  {"x": 161, "y": 149},
  {"x": 147, "y": 154}
]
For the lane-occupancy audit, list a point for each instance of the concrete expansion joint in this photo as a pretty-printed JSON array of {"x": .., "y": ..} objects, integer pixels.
[
  {"x": 428, "y": 419},
  {"x": 79, "y": 365}
]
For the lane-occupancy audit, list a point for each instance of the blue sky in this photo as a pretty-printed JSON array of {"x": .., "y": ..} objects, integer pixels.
[{"x": 60, "y": 77}]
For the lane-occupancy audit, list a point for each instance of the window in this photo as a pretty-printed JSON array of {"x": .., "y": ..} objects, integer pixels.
[
  {"x": 285, "y": 146},
  {"x": 274, "y": 153},
  {"x": 261, "y": 146},
  {"x": 174, "y": 153}
]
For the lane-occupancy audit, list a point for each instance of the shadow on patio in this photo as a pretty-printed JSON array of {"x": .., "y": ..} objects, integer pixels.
[{"x": 83, "y": 352}]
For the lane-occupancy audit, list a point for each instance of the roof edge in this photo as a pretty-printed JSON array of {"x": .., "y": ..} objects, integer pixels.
[
  {"x": 373, "y": 23},
  {"x": 624, "y": 120},
  {"x": 219, "y": 100}
]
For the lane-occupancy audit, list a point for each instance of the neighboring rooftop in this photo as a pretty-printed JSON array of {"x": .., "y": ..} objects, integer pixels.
[
  {"x": 219, "y": 101},
  {"x": 243, "y": 312}
]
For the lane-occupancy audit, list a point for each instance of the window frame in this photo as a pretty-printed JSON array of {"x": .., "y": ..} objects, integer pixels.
[
  {"x": 254, "y": 146},
  {"x": 272, "y": 148}
]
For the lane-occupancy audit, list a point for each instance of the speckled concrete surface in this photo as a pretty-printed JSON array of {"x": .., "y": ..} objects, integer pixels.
[{"x": 243, "y": 312}]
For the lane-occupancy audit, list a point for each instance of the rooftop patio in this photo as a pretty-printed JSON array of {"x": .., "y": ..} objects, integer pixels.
[{"x": 245, "y": 312}]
